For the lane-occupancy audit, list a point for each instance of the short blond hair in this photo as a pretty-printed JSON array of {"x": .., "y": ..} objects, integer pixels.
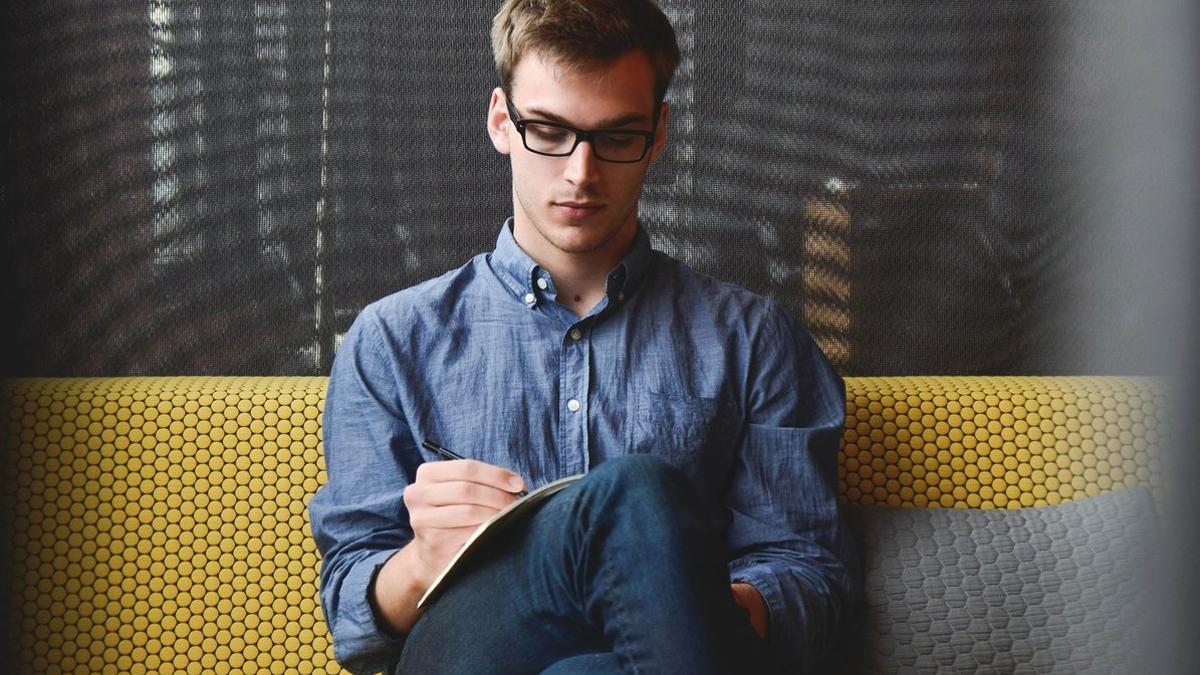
[{"x": 584, "y": 34}]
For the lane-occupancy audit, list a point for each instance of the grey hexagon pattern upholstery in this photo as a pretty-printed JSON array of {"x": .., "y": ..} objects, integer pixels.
[{"x": 1058, "y": 589}]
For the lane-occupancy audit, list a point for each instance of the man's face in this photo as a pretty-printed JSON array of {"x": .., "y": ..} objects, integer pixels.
[{"x": 577, "y": 204}]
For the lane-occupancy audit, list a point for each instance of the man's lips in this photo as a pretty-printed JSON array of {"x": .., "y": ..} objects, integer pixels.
[{"x": 575, "y": 209}]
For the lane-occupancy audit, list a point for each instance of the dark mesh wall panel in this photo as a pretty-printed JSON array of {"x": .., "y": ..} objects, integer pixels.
[
  {"x": 845, "y": 161},
  {"x": 219, "y": 188},
  {"x": 414, "y": 186},
  {"x": 166, "y": 170}
]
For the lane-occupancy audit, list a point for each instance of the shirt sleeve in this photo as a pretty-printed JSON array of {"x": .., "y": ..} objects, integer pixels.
[
  {"x": 786, "y": 536},
  {"x": 358, "y": 517}
]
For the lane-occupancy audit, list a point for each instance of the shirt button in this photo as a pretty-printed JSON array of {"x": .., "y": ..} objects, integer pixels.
[
  {"x": 573, "y": 405},
  {"x": 576, "y": 334},
  {"x": 530, "y": 298},
  {"x": 620, "y": 297},
  {"x": 541, "y": 283}
]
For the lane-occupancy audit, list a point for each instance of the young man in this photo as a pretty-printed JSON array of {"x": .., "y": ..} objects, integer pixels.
[{"x": 705, "y": 536}]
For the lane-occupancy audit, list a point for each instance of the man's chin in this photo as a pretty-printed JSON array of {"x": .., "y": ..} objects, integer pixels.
[
  {"x": 579, "y": 239},
  {"x": 579, "y": 246}
]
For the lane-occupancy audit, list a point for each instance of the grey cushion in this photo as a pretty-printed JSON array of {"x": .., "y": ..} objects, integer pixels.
[{"x": 1057, "y": 589}]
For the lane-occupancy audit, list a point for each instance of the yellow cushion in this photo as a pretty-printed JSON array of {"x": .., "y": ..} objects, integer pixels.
[
  {"x": 160, "y": 525},
  {"x": 996, "y": 442}
]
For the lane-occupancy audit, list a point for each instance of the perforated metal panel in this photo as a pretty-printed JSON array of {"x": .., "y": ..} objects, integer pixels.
[{"x": 217, "y": 188}]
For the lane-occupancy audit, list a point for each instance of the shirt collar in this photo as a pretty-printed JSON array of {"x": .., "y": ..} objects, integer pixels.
[{"x": 520, "y": 273}]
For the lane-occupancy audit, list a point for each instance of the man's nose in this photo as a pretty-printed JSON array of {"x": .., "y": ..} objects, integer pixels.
[{"x": 582, "y": 164}]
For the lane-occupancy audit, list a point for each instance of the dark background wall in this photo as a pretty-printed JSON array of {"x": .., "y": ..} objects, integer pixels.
[{"x": 930, "y": 187}]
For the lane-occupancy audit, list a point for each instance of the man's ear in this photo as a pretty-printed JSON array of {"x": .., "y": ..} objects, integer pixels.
[
  {"x": 660, "y": 132},
  {"x": 498, "y": 122}
]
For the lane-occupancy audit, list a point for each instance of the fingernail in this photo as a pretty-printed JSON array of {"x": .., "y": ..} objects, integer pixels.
[{"x": 515, "y": 483}]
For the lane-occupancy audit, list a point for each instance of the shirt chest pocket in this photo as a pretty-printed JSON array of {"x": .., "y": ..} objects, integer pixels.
[{"x": 696, "y": 434}]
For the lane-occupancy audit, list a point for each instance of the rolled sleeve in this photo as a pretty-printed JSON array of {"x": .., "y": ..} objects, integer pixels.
[
  {"x": 358, "y": 517},
  {"x": 786, "y": 536},
  {"x": 359, "y": 643}
]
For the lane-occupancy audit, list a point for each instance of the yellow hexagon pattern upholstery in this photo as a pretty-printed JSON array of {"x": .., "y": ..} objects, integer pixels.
[
  {"x": 997, "y": 442},
  {"x": 159, "y": 525}
]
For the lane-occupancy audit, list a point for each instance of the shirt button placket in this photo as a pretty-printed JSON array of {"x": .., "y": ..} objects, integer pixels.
[{"x": 575, "y": 356}]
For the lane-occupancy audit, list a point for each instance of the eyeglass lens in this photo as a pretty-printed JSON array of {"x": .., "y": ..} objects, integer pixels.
[{"x": 614, "y": 146}]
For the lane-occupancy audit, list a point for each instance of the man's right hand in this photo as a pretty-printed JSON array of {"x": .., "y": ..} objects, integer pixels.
[
  {"x": 446, "y": 503},
  {"x": 448, "y": 500}
]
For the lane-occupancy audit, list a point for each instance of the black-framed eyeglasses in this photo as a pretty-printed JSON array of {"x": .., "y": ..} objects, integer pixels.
[{"x": 622, "y": 146}]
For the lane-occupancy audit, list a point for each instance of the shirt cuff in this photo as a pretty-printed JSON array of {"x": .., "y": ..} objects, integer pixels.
[
  {"x": 359, "y": 643},
  {"x": 783, "y": 640}
]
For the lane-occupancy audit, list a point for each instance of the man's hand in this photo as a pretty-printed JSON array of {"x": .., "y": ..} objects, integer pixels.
[
  {"x": 749, "y": 599},
  {"x": 446, "y": 503}
]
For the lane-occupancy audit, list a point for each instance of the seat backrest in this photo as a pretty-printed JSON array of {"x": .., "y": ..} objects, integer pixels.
[{"x": 160, "y": 524}]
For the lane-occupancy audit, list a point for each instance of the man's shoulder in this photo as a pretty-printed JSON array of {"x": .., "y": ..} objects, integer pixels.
[
  {"x": 709, "y": 291},
  {"x": 431, "y": 297}
]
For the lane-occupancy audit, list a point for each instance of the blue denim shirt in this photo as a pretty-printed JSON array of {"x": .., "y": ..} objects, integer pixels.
[{"x": 483, "y": 360}]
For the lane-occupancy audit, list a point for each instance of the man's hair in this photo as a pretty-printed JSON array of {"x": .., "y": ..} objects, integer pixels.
[{"x": 584, "y": 34}]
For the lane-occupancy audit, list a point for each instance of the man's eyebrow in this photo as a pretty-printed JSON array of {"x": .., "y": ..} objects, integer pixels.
[{"x": 612, "y": 123}]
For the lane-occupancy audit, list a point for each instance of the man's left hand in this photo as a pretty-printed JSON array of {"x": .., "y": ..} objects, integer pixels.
[{"x": 749, "y": 599}]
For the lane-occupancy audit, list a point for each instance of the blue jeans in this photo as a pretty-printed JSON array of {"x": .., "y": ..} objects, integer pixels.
[{"x": 620, "y": 572}]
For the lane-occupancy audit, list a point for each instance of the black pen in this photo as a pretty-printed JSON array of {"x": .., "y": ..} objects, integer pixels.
[
  {"x": 450, "y": 454},
  {"x": 434, "y": 447}
]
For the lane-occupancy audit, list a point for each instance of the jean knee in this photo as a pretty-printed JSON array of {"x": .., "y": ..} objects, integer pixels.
[
  {"x": 640, "y": 471},
  {"x": 645, "y": 484}
]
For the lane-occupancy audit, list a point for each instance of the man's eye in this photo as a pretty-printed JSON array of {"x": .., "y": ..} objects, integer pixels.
[
  {"x": 618, "y": 141},
  {"x": 547, "y": 134}
]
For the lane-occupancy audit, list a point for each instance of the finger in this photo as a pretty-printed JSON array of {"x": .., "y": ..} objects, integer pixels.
[
  {"x": 462, "y": 492},
  {"x": 450, "y": 517},
  {"x": 471, "y": 471},
  {"x": 423, "y": 495}
]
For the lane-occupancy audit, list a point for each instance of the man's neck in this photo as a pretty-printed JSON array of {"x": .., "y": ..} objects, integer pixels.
[{"x": 580, "y": 279}]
